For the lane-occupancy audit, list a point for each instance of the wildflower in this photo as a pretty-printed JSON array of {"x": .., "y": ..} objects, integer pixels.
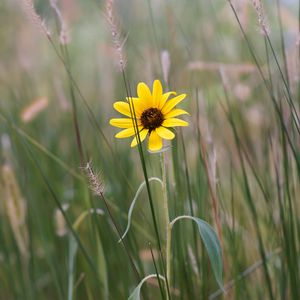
[{"x": 149, "y": 114}]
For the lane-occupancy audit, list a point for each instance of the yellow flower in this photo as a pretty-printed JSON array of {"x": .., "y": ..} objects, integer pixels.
[{"x": 154, "y": 114}]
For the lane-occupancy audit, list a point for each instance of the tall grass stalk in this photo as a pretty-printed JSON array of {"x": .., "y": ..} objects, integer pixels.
[
  {"x": 274, "y": 101},
  {"x": 168, "y": 230}
]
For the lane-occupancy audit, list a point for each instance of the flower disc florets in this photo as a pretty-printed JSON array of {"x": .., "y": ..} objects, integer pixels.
[{"x": 152, "y": 118}]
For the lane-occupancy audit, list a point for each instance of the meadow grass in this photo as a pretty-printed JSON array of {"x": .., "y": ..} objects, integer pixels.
[{"x": 228, "y": 182}]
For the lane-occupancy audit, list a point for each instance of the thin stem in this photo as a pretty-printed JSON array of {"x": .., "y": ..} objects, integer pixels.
[
  {"x": 266, "y": 84},
  {"x": 282, "y": 42},
  {"x": 156, "y": 270},
  {"x": 142, "y": 159},
  {"x": 167, "y": 222},
  {"x": 168, "y": 252}
]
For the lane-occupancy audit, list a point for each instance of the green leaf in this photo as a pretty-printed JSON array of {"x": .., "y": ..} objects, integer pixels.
[
  {"x": 142, "y": 185},
  {"x": 212, "y": 246},
  {"x": 137, "y": 291}
]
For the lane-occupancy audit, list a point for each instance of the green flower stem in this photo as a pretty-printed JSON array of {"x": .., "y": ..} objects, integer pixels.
[
  {"x": 168, "y": 252},
  {"x": 167, "y": 223}
]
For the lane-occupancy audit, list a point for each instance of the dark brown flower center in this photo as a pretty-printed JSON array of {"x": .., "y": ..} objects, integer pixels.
[{"x": 152, "y": 118}]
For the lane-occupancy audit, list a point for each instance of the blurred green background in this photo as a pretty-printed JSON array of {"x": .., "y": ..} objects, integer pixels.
[{"x": 241, "y": 148}]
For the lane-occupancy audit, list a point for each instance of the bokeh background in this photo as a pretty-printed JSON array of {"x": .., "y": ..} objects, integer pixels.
[{"x": 236, "y": 165}]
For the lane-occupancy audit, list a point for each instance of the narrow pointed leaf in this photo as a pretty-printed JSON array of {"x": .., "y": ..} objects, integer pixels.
[
  {"x": 136, "y": 294},
  {"x": 212, "y": 246},
  {"x": 139, "y": 190}
]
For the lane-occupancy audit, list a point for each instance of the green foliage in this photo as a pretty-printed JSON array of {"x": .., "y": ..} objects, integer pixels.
[
  {"x": 212, "y": 245},
  {"x": 136, "y": 294},
  {"x": 236, "y": 166}
]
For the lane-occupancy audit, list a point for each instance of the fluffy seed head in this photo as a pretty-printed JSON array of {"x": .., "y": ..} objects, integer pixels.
[
  {"x": 64, "y": 36},
  {"x": 262, "y": 19},
  {"x": 96, "y": 184},
  {"x": 35, "y": 18},
  {"x": 33, "y": 109},
  {"x": 116, "y": 34}
]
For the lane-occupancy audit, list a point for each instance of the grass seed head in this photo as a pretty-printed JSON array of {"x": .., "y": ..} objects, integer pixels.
[
  {"x": 64, "y": 36},
  {"x": 31, "y": 111},
  {"x": 32, "y": 15},
  {"x": 261, "y": 16},
  {"x": 15, "y": 208},
  {"x": 116, "y": 33},
  {"x": 95, "y": 181}
]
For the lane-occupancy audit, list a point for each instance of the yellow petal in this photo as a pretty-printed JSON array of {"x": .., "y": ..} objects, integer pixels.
[
  {"x": 144, "y": 94},
  {"x": 156, "y": 93},
  {"x": 164, "y": 98},
  {"x": 123, "y": 123},
  {"x": 126, "y": 132},
  {"x": 155, "y": 141},
  {"x": 172, "y": 122},
  {"x": 123, "y": 108},
  {"x": 142, "y": 134},
  {"x": 172, "y": 103},
  {"x": 176, "y": 112},
  {"x": 165, "y": 133},
  {"x": 137, "y": 105}
]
